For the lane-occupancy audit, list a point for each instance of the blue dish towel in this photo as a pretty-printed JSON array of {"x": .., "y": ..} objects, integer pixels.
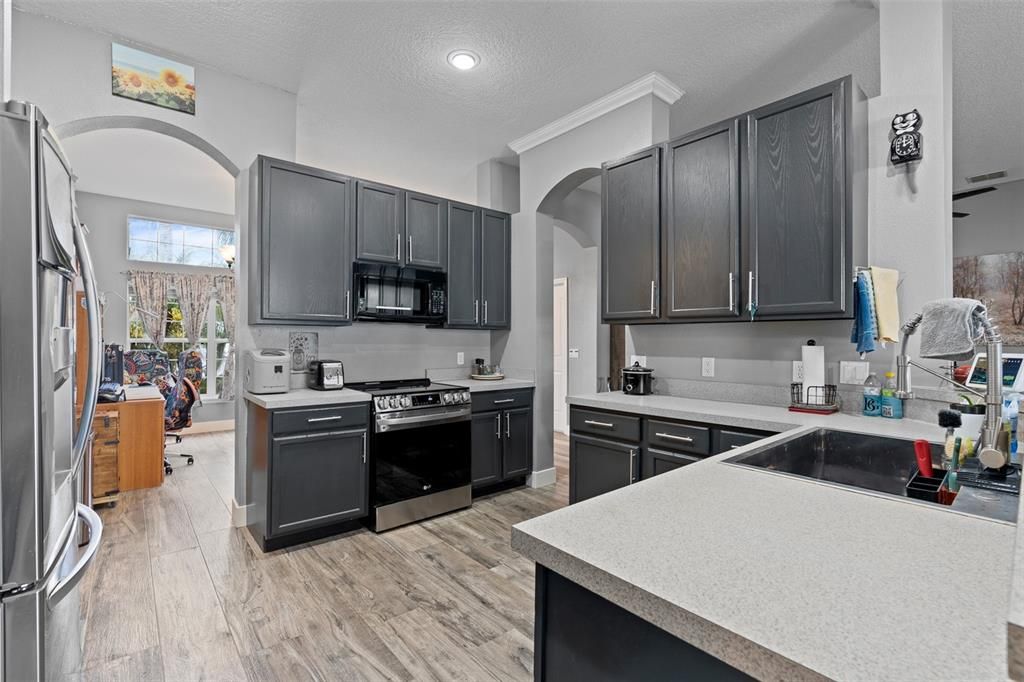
[{"x": 864, "y": 328}]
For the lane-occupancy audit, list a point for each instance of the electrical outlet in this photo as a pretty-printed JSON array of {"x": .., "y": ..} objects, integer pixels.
[
  {"x": 642, "y": 359},
  {"x": 707, "y": 367},
  {"x": 798, "y": 371},
  {"x": 460, "y": 358},
  {"x": 853, "y": 372},
  {"x": 574, "y": 353}
]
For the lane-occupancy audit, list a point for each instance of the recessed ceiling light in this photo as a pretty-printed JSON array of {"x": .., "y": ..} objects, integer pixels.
[{"x": 463, "y": 60}]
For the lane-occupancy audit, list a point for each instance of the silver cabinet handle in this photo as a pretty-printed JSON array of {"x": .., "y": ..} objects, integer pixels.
[
  {"x": 314, "y": 420},
  {"x": 508, "y": 428},
  {"x": 398, "y": 246},
  {"x": 732, "y": 293},
  {"x": 685, "y": 439},
  {"x": 485, "y": 311},
  {"x": 364, "y": 447},
  {"x": 632, "y": 465},
  {"x": 591, "y": 422},
  {"x": 652, "y": 296},
  {"x": 733, "y": 447},
  {"x": 476, "y": 311},
  {"x": 503, "y": 401},
  {"x": 408, "y": 247},
  {"x": 497, "y": 420},
  {"x": 750, "y": 290},
  {"x": 348, "y": 303}
]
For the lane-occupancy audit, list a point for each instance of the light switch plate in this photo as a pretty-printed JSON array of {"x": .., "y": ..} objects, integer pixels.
[
  {"x": 798, "y": 371},
  {"x": 460, "y": 358},
  {"x": 853, "y": 372},
  {"x": 642, "y": 359},
  {"x": 707, "y": 367},
  {"x": 574, "y": 353}
]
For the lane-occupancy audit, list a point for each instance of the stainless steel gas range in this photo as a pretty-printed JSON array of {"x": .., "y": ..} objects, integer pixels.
[{"x": 420, "y": 450}]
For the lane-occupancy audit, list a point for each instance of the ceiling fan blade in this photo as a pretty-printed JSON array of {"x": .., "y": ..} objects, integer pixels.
[
  {"x": 959, "y": 214},
  {"x": 973, "y": 192}
]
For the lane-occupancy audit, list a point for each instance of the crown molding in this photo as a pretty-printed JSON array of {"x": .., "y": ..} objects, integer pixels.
[{"x": 652, "y": 84}]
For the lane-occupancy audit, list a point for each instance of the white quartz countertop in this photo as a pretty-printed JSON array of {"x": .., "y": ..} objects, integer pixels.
[
  {"x": 478, "y": 386},
  {"x": 307, "y": 397},
  {"x": 787, "y": 578}
]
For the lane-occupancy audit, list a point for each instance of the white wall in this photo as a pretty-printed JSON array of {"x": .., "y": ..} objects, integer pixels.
[
  {"x": 579, "y": 265},
  {"x": 995, "y": 223}
]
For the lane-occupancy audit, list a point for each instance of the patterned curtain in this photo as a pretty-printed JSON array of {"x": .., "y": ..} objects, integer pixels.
[
  {"x": 151, "y": 302},
  {"x": 194, "y": 291},
  {"x": 228, "y": 304}
]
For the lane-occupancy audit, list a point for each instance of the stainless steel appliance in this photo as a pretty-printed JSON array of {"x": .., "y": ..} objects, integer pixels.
[
  {"x": 419, "y": 450},
  {"x": 327, "y": 375},
  {"x": 637, "y": 380},
  {"x": 388, "y": 293},
  {"x": 42, "y": 456}
]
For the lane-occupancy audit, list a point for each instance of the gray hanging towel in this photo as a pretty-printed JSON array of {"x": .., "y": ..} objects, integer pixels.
[{"x": 950, "y": 327}]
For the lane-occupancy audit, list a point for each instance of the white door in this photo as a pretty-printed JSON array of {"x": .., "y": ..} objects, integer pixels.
[{"x": 561, "y": 343}]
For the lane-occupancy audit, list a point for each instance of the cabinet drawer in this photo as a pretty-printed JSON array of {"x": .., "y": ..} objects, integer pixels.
[
  {"x": 730, "y": 440},
  {"x": 501, "y": 400},
  {"x": 679, "y": 437},
  {"x": 605, "y": 424},
  {"x": 319, "y": 419},
  {"x": 659, "y": 461},
  {"x": 104, "y": 470}
]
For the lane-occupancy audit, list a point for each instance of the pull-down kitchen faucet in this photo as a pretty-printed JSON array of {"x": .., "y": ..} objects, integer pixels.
[{"x": 990, "y": 453}]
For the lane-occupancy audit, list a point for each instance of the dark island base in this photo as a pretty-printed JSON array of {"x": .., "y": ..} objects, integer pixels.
[{"x": 579, "y": 635}]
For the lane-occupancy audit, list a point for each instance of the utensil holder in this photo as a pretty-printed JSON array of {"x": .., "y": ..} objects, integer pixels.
[{"x": 930, "y": 488}]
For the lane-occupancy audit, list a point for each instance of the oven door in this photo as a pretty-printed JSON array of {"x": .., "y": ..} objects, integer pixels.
[{"x": 420, "y": 454}]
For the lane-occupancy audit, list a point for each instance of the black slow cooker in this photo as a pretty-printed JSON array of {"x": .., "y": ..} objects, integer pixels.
[{"x": 637, "y": 380}]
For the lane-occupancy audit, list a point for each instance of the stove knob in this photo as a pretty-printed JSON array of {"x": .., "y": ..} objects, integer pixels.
[
  {"x": 406, "y": 401},
  {"x": 393, "y": 401},
  {"x": 465, "y": 396},
  {"x": 446, "y": 398},
  {"x": 382, "y": 403}
]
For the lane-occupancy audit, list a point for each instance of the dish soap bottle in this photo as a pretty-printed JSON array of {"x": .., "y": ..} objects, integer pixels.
[
  {"x": 872, "y": 396},
  {"x": 892, "y": 407}
]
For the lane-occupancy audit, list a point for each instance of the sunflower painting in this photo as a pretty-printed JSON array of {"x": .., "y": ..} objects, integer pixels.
[{"x": 155, "y": 80}]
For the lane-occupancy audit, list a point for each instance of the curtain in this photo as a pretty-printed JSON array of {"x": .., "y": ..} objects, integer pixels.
[
  {"x": 194, "y": 291},
  {"x": 151, "y": 302},
  {"x": 226, "y": 294}
]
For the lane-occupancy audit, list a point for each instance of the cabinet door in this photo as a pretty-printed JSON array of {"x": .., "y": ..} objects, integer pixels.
[
  {"x": 702, "y": 224},
  {"x": 496, "y": 269},
  {"x": 463, "y": 265},
  {"x": 379, "y": 223},
  {"x": 426, "y": 231},
  {"x": 486, "y": 445},
  {"x": 800, "y": 242},
  {"x": 631, "y": 236},
  {"x": 597, "y": 466},
  {"x": 317, "y": 480},
  {"x": 305, "y": 255},
  {"x": 730, "y": 440},
  {"x": 659, "y": 461},
  {"x": 517, "y": 456}
]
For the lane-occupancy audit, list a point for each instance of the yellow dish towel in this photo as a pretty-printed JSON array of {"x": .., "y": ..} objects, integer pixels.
[{"x": 887, "y": 305}]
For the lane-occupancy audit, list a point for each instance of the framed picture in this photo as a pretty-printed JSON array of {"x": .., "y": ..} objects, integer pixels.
[
  {"x": 303, "y": 349},
  {"x": 152, "y": 79},
  {"x": 997, "y": 280}
]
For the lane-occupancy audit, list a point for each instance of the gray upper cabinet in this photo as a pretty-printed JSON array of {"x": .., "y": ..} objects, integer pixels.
[
  {"x": 380, "y": 218},
  {"x": 302, "y": 218},
  {"x": 496, "y": 269},
  {"x": 631, "y": 236},
  {"x": 799, "y": 204},
  {"x": 426, "y": 231},
  {"x": 463, "y": 265},
  {"x": 702, "y": 224}
]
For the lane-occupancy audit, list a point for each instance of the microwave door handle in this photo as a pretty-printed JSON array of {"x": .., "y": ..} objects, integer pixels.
[
  {"x": 92, "y": 376},
  {"x": 394, "y": 307}
]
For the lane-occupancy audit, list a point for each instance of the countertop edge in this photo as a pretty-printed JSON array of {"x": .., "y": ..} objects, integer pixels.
[
  {"x": 731, "y": 648},
  {"x": 686, "y": 414},
  {"x": 299, "y": 399}
]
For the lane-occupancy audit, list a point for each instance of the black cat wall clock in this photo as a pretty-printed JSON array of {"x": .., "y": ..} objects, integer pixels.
[{"x": 905, "y": 144}]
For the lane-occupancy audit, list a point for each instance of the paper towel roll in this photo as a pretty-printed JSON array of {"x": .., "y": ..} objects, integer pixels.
[{"x": 814, "y": 372}]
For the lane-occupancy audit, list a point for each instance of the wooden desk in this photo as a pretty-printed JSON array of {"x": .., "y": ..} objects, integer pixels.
[{"x": 140, "y": 452}]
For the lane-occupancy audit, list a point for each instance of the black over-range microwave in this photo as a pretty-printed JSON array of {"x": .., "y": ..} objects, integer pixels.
[{"x": 388, "y": 293}]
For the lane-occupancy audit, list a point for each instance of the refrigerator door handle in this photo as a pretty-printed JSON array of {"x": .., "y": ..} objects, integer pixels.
[
  {"x": 92, "y": 379},
  {"x": 68, "y": 582}
]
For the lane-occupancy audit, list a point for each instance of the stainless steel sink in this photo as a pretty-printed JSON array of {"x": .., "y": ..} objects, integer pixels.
[{"x": 875, "y": 463}]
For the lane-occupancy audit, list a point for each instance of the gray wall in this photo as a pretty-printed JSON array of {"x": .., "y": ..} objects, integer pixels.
[
  {"x": 107, "y": 218},
  {"x": 995, "y": 223},
  {"x": 579, "y": 266}
]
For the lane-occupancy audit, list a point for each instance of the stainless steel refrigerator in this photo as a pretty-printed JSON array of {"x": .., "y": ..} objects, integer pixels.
[{"x": 42, "y": 455}]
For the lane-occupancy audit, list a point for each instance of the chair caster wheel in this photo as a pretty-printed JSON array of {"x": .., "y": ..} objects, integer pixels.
[
  {"x": 168, "y": 471},
  {"x": 191, "y": 460}
]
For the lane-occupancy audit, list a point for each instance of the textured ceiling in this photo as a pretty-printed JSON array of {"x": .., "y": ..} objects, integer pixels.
[{"x": 375, "y": 71}]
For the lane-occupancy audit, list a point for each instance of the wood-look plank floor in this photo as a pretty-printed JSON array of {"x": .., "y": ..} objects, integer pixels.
[{"x": 176, "y": 593}]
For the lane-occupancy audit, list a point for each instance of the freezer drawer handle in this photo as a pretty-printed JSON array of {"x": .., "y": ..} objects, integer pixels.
[
  {"x": 685, "y": 439},
  {"x": 68, "y": 583},
  {"x": 591, "y": 422}
]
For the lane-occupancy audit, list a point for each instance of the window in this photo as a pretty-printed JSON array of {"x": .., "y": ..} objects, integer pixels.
[
  {"x": 215, "y": 346},
  {"x": 157, "y": 241}
]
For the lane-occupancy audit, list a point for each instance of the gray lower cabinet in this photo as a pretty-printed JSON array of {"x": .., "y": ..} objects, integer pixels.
[
  {"x": 659, "y": 461},
  {"x": 302, "y": 220},
  {"x": 518, "y": 444},
  {"x": 380, "y": 218},
  {"x": 631, "y": 236},
  {"x": 426, "y": 231},
  {"x": 702, "y": 224},
  {"x": 495, "y": 269},
  {"x": 799, "y": 204},
  {"x": 598, "y": 466},
  {"x": 486, "y": 444},
  {"x": 502, "y": 438},
  {"x": 463, "y": 265}
]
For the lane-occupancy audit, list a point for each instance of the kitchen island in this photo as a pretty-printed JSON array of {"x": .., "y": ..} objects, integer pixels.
[{"x": 752, "y": 572}]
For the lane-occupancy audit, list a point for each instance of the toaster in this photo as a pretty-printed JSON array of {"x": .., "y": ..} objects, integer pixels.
[
  {"x": 326, "y": 375},
  {"x": 266, "y": 371}
]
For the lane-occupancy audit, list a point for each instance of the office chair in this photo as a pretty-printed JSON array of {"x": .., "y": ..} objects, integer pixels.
[
  {"x": 178, "y": 413},
  {"x": 149, "y": 367}
]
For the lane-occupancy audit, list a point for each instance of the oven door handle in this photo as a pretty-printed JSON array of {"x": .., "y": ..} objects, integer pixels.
[{"x": 386, "y": 424}]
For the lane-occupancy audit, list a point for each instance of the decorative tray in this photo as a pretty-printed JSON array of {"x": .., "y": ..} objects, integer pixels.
[{"x": 487, "y": 377}]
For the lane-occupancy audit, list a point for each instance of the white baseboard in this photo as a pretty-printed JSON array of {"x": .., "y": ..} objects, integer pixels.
[
  {"x": 211, "y": 426},
  {"x": 239, "y": 515},
  {"x": 539, "y": 479}
]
